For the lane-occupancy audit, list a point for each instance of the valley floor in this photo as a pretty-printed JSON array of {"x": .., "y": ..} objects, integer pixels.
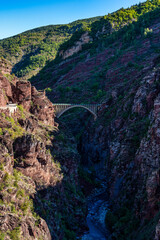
[{"x": 97, "y": 208}]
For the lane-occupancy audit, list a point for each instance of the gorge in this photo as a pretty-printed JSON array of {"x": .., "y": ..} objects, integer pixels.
[{"x": 89, "y": 169}]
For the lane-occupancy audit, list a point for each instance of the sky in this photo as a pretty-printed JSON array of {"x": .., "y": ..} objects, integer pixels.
[{"x": 17, "y": 16}]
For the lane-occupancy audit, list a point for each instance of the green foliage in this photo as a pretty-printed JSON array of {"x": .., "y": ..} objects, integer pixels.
[
  {"x": 100, "y": 94},
  {"x": 2, "y": 235},
  {"x": 147, "y": 32},
  {"x": 20, "y": 193},
  {"x": 123, "y": 17},
  {"x": 147, "y": 230},
  {"x": 1, "y": 167},
  {"x": 1, "y": 131},
  {"x": 61, "y": 138},
  {"x": 16, "y": 130},
  {"x": 121, "y": 223},
  {"x": 6, "y": 178},
  {"x": 88, "y": 177},
  {"x": 13, "y": 209},
  {"x": 75, "y": 37},
  {"x": 48, "y": 89},
  {"x": 15, "y": 234},
  {"x": 124, "y": 32},
  {"x": 21, "y": 109},
  {"x": 31, "y": 50},
  {"x": 3, "y": 115},
  {"x": 69, "y": 234},
  {"x": 27, "y": 205}
]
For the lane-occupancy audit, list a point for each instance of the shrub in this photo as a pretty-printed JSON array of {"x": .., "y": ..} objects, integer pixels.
[
  {"x": 20, "y": 193},
  {"x": 1, "y": 167},
  {"x": 48, "y": 89},
  {"x": 15, "y": 234},
  {"x": 21, "y": 109},
  {"x": 148, "y": 32},
  {"x": 121, "y": 223},
  {"x": 1, "y": 131},
  {"x": 2, "y": 235}
]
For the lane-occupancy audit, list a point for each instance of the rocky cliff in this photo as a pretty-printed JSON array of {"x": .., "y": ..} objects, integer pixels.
[
  {"x": 84, "y": 39},
  {"x": 40, "y": 196},
  {"x": 125, "y": 146}
]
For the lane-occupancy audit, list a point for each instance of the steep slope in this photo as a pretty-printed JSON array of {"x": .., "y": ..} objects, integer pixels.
[
  {"x": 30, "y": 51},
  {"x": 40, "y": 197},
  {"x": 120, "y": 68},
  {"x": 122, "y": 71},
  {"x": 93, "y": 73},
  {"x": 124, "y": 144}
]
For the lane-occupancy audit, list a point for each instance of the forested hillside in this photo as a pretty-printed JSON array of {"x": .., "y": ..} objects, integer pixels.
[
  {"x": 115, "y": 57},
  {"x": 111, "y": 165},
  {"x": 30, "y": 51}
]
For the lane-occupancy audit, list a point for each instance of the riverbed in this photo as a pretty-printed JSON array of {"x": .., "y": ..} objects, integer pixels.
[{"x": 97, "y": 208}]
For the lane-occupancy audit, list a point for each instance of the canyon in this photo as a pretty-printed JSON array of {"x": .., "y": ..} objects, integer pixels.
[{"x": 77, "y": 177}]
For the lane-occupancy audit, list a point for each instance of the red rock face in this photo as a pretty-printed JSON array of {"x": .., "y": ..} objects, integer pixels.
[
  {"x": 38, "y": 163},
  {"x": 6, "y": 90},
  {"x": 9, "y": 220},
  {"x": 2, "y": 98},
  {"x": 42, "y": 108},
  {"x": 30, "y": 155},
  {"x": 147, "y": 163},
  {"x": 31, "y": 232},
  {"x": 23, "y": 92},
  {"x": 35, "y": 101}
]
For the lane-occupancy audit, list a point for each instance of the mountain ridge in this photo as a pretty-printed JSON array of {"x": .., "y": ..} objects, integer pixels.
[
  {"x": 30, "y": 51},
  {"x": 118, "y": 67}
]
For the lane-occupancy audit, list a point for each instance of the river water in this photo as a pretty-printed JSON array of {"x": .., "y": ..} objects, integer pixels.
[{"x": 97, "y": 208}]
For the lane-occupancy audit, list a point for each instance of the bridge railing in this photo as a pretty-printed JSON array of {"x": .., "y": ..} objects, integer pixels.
[
  {"x": 74, "y": 104},
  {"x": 62, "y": 107}
]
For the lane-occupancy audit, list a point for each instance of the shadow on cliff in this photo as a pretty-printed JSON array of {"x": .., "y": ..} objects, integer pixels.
[
  {"x": 63, "y": 209},
  {"x": 54, "y": 169}
]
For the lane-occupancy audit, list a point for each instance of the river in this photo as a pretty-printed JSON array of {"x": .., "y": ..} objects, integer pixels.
[{"x": 97, "y": 208}]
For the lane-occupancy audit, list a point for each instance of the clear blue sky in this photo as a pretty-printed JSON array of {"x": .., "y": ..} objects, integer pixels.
[{"x": 17, "y": 16}]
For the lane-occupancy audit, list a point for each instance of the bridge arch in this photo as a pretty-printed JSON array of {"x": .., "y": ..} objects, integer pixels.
[{"x": 76, "y": 106}]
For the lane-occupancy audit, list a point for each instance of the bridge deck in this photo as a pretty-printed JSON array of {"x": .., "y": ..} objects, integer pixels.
[{"x": 60, "y": 108}]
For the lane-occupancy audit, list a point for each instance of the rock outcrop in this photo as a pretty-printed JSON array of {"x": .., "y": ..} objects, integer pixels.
[
  {"x": 5, "y": 66},
  {"x": 38, "y": 169},
  {"x": 127, "y": 150},
  {"x": 22, "y": 93},
  {"x": 85, "y": 38}
]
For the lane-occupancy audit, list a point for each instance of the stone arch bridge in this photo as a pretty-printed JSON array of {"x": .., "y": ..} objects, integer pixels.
[{"x": 61, "y": 108}]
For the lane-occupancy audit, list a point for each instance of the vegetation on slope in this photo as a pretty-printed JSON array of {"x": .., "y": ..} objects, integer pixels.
[
  {"x": 89, "y": 76},
  {"x": 31, "y": 50},
  {"x": 113, "y": 69},
  {"x": 106, "y": 27},
  {"x": 110, "y": 69}
]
